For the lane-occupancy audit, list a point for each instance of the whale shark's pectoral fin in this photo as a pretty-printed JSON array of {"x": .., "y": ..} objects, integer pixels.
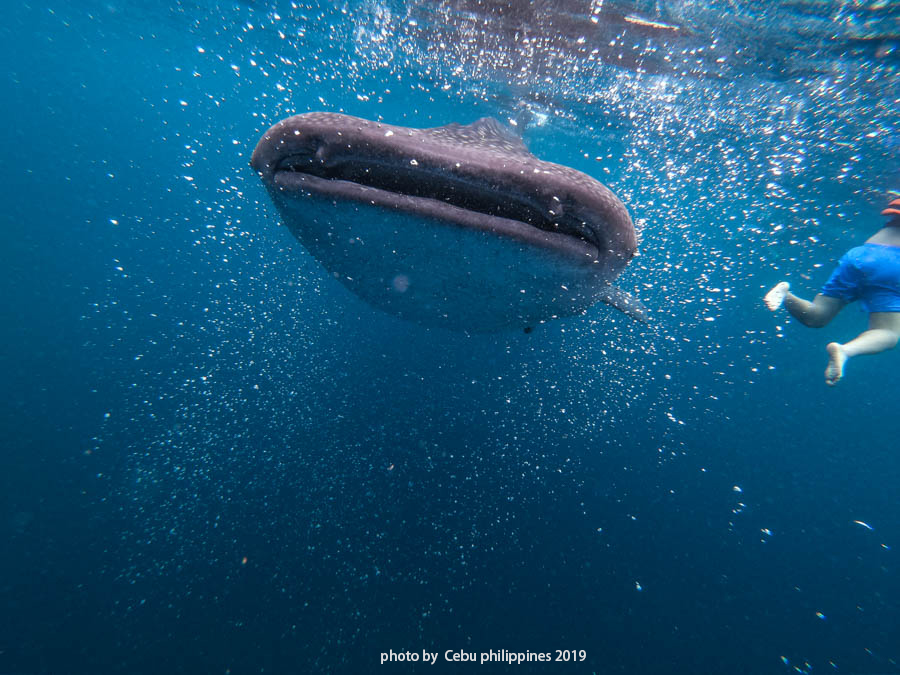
[{"x": 625, "y": 303}]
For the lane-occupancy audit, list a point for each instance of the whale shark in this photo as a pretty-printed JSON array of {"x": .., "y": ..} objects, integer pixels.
[{"x": 457, "y": 226}]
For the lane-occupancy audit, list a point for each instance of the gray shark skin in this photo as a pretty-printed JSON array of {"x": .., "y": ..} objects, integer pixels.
[{"x": 455, "y": 226}]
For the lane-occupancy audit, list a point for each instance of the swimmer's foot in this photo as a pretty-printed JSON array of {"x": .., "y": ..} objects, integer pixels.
[
  {"x": 837, "y": 357},
  {"x": 775, "y": 297}
]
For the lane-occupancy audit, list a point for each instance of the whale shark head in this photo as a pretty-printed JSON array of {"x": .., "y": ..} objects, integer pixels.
[{"x": 455, "y": 226}]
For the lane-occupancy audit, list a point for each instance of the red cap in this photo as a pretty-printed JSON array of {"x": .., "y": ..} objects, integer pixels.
[{"x": 893, "y": 209}]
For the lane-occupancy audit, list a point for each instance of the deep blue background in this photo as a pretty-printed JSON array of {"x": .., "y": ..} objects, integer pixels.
[{"x": 216, "y": 460}]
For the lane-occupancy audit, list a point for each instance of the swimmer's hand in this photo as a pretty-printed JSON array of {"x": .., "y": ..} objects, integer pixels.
[{"x": 775, "y": 297}]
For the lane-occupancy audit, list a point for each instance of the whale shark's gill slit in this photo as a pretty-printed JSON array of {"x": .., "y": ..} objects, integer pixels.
[{"x": 443, "y": 185}]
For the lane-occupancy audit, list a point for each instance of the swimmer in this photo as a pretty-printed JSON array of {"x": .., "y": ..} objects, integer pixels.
[{"x": 869, "y": 273}]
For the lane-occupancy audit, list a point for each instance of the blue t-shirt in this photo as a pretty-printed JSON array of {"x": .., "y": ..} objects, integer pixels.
[{"x": 869, "y": 273}]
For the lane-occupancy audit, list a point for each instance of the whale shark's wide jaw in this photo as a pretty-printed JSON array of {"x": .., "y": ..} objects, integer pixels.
[
  {"x": 361, "y": 178},
  {"x": 473, "y": 182}
]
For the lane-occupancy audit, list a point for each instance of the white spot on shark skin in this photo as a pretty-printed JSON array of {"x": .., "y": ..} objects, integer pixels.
[{"x": 400, "y": 283}]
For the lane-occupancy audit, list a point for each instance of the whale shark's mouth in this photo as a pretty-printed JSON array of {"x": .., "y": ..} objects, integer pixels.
[
  {"x": 478, "y": 176},
  {"x": 405, "y": 182}
]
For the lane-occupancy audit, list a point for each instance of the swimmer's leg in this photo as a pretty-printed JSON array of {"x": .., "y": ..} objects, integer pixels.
[
  {"x": 814, "y": 314},
  {"x": 883, "y": 334}
]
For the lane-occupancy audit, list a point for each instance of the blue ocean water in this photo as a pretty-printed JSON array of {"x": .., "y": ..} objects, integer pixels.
[{"x": 217, "y": 460}]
